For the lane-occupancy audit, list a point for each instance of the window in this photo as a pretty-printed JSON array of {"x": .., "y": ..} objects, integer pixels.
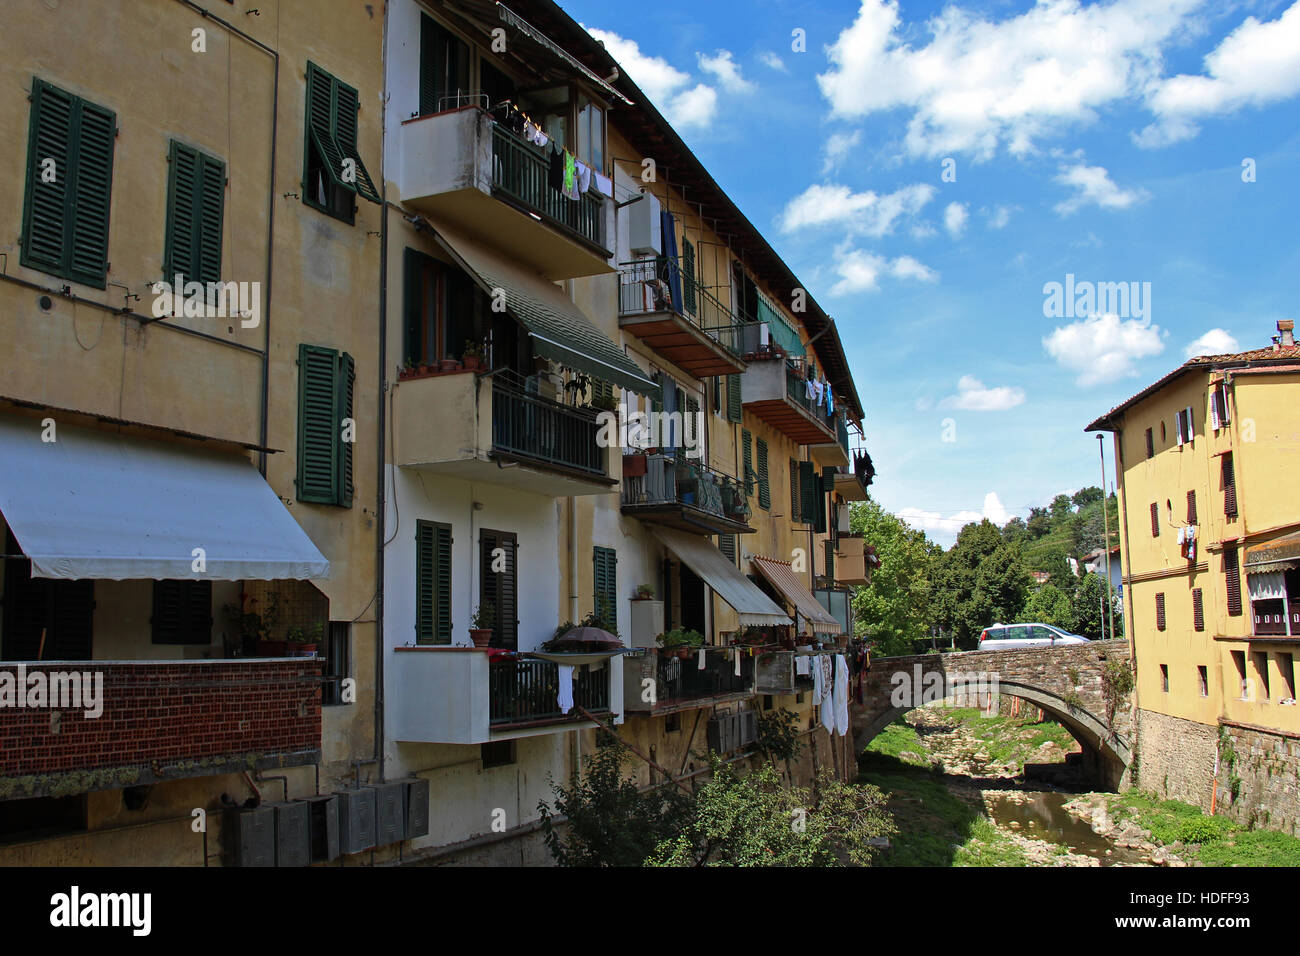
[
  {"x": 444, "y": 310},
  {"x": 1151, "y": 445},
  {"x": 196, "y": 196},
  {"x": 1260, "y": 660},
  {"x": 1286, "y": 670},
  {"x": 727, "y": 545},
  {"x": 1198, "y": 610},
  {"x": 810, "y": 494},
  {"x": 332, "y": 169},
  {"x": 605, "y": 578},
  {"x": 499, "y": 753},
  {"x": 337, "y": 663},
  {"x": 1218, "y": 406},
  {"x": 591, "y": 148},
  {"x": 1183, "y": 425},
  {"x": 69, "y": 185},
  {"x": 718, "y": 400},
  {"x": 1191, "y": 507},
  {"x": 44, "y": 618},
  {"x": 1160, "y": 611},
  {"x": 326, "y": 432},
  {"x": 1239, "y": 665},
  {"x": 498, "y": 585},
  {"x": 747, "y": 447},
  {"x": 1232, "y": 578},
  {"x": 691, "y": 423},
  {"x": 733, "y": 398},
  {"x": 182, "y": 612},
  {"x": 1229, "y": 488},
  {"x": 688, "y": 275},
  {"x": 764, "y": 489},
  {"x": 1203, "y": 681},
  {"x": 1155, "y": 520},
  {"x": 1164, "y": 678},
  {"x": 673, "y": 723},
  {"x": 796, "y": 502},
  {"x": 444, "y": 67},
  {"x": 432, "y": 583}
]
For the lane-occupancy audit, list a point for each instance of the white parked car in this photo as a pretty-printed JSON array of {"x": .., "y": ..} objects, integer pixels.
[{"x": 1010, "y": 636}]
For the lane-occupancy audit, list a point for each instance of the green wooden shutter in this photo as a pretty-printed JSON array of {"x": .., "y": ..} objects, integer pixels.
[
  {"x": 45, "y": 208},
  {"x": 431, "y": 65},
  {"x": 690, "y": 423},
  {"x": 432, "y": 583},
  {"x": 320, "y": 121},
  {"x": 442, "y": 583},
  {"x": 688, "y": 275},
  {"x": 182, "y": 612},
  {"x": 71, "y": 617},
  {"x": 733, "y": 398},
  {"x": 809, "y": 487},
  {"x": 500, "y": 587},
  {"x": 764, "y": 489},
  {"x": 212, "y": 201},
  {"x": 346, "y": 106},
  {"x": 195, "y": 205},
  {"x": 747, "y": 446},
  {"x": 830, "y": 561},
  {"x": 819, "y": 505},
  {"x": 605, "y": 578},
  {"x": 413, "y": 263},
  {"x": 319, "y": 467},
  {"x": 346, "y": 381},
  {"x": 93, "y": 186},
  {"x": 727, "y": 545},
  {"x": 795, "y": 505}
]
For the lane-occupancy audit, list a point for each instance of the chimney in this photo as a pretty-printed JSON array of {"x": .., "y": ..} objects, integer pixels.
[{"x": 1286, "y": 329}]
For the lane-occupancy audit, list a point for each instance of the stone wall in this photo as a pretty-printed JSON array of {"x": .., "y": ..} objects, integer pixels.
[
  {"x": 1267, "y": 765},
  {"x": 1175, "y": 758}
]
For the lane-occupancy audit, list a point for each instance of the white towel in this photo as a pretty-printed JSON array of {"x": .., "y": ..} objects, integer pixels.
[
  {"x": 828, "y": 707},
  {"x": 699, "y": 664},
  {"x": 801, "y": 665},
  {"x": 566, "y": 688},
  {"x": 819, "y": 689},
  {"x": 737, "y": 663},
  {"x": 841, "y": 695}
]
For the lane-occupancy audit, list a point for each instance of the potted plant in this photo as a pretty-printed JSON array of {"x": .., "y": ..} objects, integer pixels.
[
  {"x": 644, "y": 592},
  {"x": 681, "y": 641},
  {"x": 472, "y": 357},
  {"x": 306, "y": 641},
  {"x": 484, "y": 620},
  {"x": 449, "y": 365}
]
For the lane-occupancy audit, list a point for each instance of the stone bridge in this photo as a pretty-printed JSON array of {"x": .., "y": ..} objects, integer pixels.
[{"x": 1065, "y": 681}]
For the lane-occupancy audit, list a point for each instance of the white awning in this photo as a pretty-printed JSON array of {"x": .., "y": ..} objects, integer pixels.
[
  {"x": 96, "y": 504},
  {"x": 751, "y": 604},
  {"x": 781, "y": 576},
  {"x": 1269, "y": 586}
]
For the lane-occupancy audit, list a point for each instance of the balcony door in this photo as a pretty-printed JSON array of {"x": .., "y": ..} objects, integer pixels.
[
  {"x": 693, "y": 616},
  {"x": 44, "y": 619},
  {"x": 499, "y": 585}
]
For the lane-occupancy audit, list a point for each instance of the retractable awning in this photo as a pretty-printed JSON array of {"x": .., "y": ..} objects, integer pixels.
[
  {"x": 559, "y": 329},
  {"x": 780, "y": 574},
  {"x": 752, "y": 606},
  {"x": 1280, "y": 554},
  {"x": 97, "y": 504}
]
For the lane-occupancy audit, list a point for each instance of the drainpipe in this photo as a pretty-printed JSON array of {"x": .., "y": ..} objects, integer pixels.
[
  {"x": 1126, "y": 567},
  {"x": 573, "y": 558},
  {"x": 381, "y": 501}
]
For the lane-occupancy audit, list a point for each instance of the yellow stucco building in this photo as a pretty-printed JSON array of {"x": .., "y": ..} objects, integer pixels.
[{"x": 1211, "y": 544}]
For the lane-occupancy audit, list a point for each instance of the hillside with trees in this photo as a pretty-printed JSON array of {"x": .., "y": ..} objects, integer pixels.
[{"x": 921, "y": 591}]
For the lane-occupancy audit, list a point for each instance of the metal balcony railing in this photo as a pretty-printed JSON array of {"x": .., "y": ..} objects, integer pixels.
[
  {"x": 536, "y": 427},
  {"x": 521, "y": 171},
  {"x": 523, "y": 690},
  {"x": 676, "y": 479},
  {"x": 683, "y": 679},
  {"x": 645, "y": 286}
]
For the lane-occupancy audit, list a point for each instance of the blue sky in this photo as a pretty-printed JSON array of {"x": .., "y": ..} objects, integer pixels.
[{"x": 1103, "y": 140}]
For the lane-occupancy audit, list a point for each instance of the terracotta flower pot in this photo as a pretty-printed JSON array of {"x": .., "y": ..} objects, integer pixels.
[
  {"x": 481, "y": 636},
  {"x": 472, "y": 363},
  {"x": 450, "y": 365}
]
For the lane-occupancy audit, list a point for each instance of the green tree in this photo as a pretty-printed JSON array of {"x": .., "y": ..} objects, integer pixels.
[
  {"x": 1048, "y": 605},
  {"x": 1086, "y": 496},
  {"x": 978, "y": 581},
  {"x": 1091, "y": 610},
  {"x": 1015, "y": 531},
  {"x": 1039, "y": 523},
  {"x": 894, "y": 609},
  {"x": 754, "y": 821},
  {"x": 1060, "y": 507}
]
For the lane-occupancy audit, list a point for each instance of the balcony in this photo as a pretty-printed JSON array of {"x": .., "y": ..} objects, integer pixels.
[
  {"x": 462, "y": 167},
  {"x": 691, "y": 328},
  {"x": 836, "y": 453},
  {"x": 162, "y": 720},
  {"x": 491, "y": 429},
  {"x": 679, "y": 492},
  {"x": 458, "y": 695},
  {"x": 853, "y": 560},
  {"x": 680, "y": 684},
  {"x": 774, "y": 390}
]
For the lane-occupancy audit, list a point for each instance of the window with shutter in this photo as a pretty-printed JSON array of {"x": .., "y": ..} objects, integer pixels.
[
  {"x": 1191, "y": 507},
  {"x": 1160, "y": 611},
  {"x": 691, "y": 423},
  {"x": 498, "y": 585},
  {"x": 326, "y": 388},
  {"x": 44, "y": 619},
  {"x": 1151, "y": 445},
  {"x": 432, "y": 583},
  {"x": 829, "y": 547},
  {"x": 795, "y": 500},
  {"x": 1155, "y": 520},
  {"x": 733, "y": 398},
  {"x": 764, "y": 488},
  {"x": 1198, "y": 610},
  {"x": 747, "y": 449},
  {"x": 727, "y": 545},
  {"x": 444, "y": 67},
  {"x": 688, "y": 275},
  {"x": 196, "y": 193},
  {"x": 182, "y": 612},
  {"x": 332, "y": 168},
  {"x": 605, "y": 578},
  {"x": 1232, "y": 579},
  {"x": 1229, "y": 488},
  {"x": 809, "y": 486},
  {"x": 65, "y": 219}
]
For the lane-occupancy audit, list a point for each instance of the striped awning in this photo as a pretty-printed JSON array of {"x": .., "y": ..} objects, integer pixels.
[
  {"x": 752, "y": 606},
  {"x": 1280, "y": 554},
  {"x": 780, "y": 574}
]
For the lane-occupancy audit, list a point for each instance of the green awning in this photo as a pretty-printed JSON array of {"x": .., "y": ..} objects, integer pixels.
[
  {"x": 780, "y": 330},
  {"x": 559, "y": 330}
]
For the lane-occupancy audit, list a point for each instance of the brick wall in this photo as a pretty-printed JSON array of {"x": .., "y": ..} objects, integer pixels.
[{"x": 162, "y": 721}]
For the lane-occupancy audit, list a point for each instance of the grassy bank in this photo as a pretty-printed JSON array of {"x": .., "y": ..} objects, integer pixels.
[{"x": 1209, "y": 841}]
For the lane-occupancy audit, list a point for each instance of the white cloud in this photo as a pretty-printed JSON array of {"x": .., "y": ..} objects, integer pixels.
[
  {"x": 1213, "y": 342},
  {"x": 1103, "y": 348},
  {"x": 974, "y": 84},
  {"x": 668, "y": 87},
  {"x": 973, "y": 396},
  {"x": 1093, "y": 185},
  {"x": 837, "y": 149},
  {"x": 861, "y": 271},
  {"x": 999, "y": 216},
  {"x": 726, "y": 70},
  {"x": 936, "y": 524},
  {"x": 955, "y": 216},
  {"x": 867, "y": 213},
  {"x": 770, "y": 59},
  {"x": 1255, "y": 65}
]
